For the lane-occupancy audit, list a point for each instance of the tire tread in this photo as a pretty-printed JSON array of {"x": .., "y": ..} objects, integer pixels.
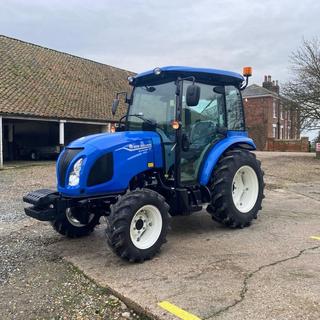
[
  {"x": 119, "y": 222},
  {"x": 220, "y": 207}
]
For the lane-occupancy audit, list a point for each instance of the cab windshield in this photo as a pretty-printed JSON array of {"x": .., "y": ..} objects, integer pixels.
[{"x": 153, "y": 105}]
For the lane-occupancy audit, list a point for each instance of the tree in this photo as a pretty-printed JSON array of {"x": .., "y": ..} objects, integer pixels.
[
  {"x": 303, "y": 89},
  {"x": 317, "y": 139}
]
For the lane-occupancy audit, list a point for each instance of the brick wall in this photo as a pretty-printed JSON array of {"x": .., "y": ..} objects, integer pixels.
[
  {"x": 301, "y": 145},
  {"x": 261, "y": 121},
  {"x": 257, "y": 113}
]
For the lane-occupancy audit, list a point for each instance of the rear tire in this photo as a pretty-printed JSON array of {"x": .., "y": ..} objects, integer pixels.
[
  {"x": 68, "y": 225},
  {"x": 138, "y": 225},
  {"x": 237, "y": 189}
]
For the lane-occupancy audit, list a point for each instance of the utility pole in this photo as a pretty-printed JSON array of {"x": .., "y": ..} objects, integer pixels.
[{"x": 61, "y": 134}]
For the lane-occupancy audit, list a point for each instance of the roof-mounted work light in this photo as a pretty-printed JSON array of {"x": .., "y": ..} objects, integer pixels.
[
  {"x": 157, "y": 71},
  {"x": 130, "y": 79}
]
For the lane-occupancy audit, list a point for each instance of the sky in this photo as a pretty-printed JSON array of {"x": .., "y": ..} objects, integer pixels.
[{"x": 139, "y": 35}]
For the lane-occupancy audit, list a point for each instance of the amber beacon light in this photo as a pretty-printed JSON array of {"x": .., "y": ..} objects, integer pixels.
[{"x": 247, "y": 71}]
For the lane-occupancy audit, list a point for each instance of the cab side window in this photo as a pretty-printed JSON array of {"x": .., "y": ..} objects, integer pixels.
[{"x": 234, "y": 108}]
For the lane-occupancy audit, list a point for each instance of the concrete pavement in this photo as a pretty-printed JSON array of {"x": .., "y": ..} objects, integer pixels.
[{"x": 268, "y": 271}]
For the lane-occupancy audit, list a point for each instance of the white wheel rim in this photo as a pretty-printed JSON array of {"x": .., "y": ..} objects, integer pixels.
[
  {"x": 145, "y": 227},
  {"x": 245, "y": 189},
  {"x": 74, "y": 221}
]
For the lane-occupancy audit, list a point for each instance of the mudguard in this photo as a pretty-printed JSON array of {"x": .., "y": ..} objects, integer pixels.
[{"x": 239, "y": 138}]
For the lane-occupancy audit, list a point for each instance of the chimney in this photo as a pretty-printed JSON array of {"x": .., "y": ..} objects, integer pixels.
[{"x": 270, "y": 85}]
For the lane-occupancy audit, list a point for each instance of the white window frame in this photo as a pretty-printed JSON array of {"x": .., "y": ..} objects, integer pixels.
[
  {"x": 274, "y": 110},
  {"x": 289, "y": 116},
  {"x": 274, "y": 130}
]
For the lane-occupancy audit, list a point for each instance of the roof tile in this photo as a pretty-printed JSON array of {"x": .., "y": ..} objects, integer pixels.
[
  {"x": 41, "y": 82},
  {"x": 255, "y": 90}
]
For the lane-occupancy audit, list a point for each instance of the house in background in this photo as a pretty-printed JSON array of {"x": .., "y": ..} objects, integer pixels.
[
  {"x": 49, "y": 98},
  {"x": 266, "y": 115}
]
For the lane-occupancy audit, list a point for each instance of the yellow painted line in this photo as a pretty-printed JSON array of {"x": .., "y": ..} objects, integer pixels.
[
  {"x": 180, "y": 313},
  {"x": 315, "y": 238}
]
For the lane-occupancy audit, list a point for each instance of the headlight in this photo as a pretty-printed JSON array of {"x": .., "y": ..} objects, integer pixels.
[{"x": 74, "y": 177}]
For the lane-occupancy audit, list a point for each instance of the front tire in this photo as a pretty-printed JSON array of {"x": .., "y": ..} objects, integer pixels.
[
  {"x": 69, "y": 225},
  {"x": 138, "y": 225},
  {"x": 237, "y": 189}
]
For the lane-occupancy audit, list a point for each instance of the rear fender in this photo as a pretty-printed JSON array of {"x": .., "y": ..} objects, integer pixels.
[{"x": 233, "y": 139}]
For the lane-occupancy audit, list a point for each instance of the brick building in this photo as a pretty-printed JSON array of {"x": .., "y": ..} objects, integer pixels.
[{"x": 266, "y": 115}]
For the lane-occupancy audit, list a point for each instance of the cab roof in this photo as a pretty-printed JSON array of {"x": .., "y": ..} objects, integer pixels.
[{"x": 205, "y": 75}]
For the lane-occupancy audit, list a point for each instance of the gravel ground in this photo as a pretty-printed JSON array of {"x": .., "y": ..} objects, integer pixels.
[
  {"x": 35, "y": 283},
  {"x": 16, "y": 182},
  {"x": 288, "y": 167}
]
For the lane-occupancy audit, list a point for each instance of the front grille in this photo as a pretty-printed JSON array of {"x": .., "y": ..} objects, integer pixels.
[
  {"x": 65, "y": 159},
  {"x": 102, "y": 170}
]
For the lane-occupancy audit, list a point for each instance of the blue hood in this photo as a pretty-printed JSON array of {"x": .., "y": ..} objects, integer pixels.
[
  {"x": 132, "y": 152},
  {"x": 103, "y": 141}
]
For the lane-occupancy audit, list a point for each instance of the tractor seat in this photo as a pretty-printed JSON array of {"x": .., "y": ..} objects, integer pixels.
[{"x": 201, "y": 133}]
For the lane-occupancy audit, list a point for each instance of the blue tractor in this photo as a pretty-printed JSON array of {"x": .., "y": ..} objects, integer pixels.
[{"x": 181, "y": 147}]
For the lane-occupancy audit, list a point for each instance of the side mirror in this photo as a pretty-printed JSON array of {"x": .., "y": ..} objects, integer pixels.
[
  {"x": 193, "y": 95},
  {"x": 115, "y": 104}
]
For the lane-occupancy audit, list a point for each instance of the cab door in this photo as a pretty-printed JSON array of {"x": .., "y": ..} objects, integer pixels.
[
  {"x": 156, "y": 104},
  {"x": 202, "y": 126}
]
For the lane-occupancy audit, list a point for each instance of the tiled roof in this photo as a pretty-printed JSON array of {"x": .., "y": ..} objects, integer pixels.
[
  {"x": 254, "y": 91},
  {"x": 40, "y": 82}
]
